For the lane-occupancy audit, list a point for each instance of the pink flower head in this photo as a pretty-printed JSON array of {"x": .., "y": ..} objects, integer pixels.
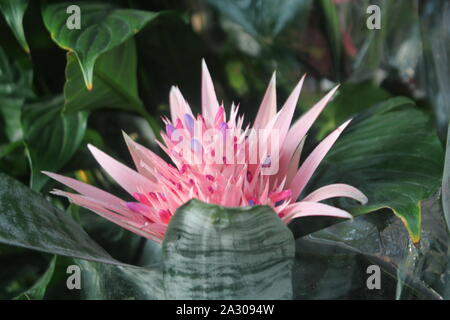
[{"x": 217, "y": 161}]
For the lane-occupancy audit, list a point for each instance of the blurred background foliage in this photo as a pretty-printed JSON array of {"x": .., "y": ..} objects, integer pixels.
[{"x": 48, "y": 115}]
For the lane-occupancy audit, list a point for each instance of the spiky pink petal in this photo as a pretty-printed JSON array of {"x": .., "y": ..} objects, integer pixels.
[
  {"x": 178, "y": 106},
  {"x": 312, "y": 162},
  {"x": 209, "y": 99},
  {"x": 334, "y": 191},
  {"x": 299, "y": 129},
  {"x": 129, "y": 179},
  {"x": 284, "y": 116},
  {"x": 268, "y": 107},
  {"x": 306, "y": 209}
]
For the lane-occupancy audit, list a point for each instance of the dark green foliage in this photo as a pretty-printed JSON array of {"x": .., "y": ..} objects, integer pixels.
[{"x": 61, "y": 89}]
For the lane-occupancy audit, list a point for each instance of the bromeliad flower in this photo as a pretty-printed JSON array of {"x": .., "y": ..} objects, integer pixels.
[{"x": 217, "y": 161}]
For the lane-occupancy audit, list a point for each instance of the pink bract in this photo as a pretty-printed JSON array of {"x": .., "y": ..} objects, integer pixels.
[{"x": 159, "y": 188}]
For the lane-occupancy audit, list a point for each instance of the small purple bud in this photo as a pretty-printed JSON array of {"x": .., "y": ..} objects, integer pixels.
[
  {"x": 136, "y": 207},
  {"x": 189, "y": 122},
  {"x": 195, "y": 145},
  {"x": 267, "y": 162},
  {"x": 169, "y": 129},
  {"x": 223, "y": 127}
]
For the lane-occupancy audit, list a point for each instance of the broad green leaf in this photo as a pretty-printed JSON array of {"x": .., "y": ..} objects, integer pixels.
[
  {"x": 350, "y": 99},
  {"x": 209, "y": 252},
  {"x": 392, "y": 153},
  {"x": 112, "y": 282},
  {"x": 13, "y": 10},
  {"x": 28, "y": 220},
  {"x": 213, "y": 252},
  {"x": 50, "y": 136},
  {"x": 15, "y": 87},
  {"x": 103, "y": 27},
  {"x": 262, "y": 18},
  {"x": 37, "y": 291}
]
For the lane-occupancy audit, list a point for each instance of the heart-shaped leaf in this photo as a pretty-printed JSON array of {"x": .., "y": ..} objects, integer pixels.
[
  {"x": 116, "y": 84},
  {"x": 13, "y": 10},
  {"x": 51, "y": 137},
  {"x": 213, "y": 252},
  {"x": 102, "y": 28},
  {"x": 392, "y": 153}
]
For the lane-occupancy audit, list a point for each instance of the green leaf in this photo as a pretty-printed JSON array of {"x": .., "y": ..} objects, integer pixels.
[
  {"x": 13, "y": 10},
  {"x": 112, "y": 282},
  {"x": 330, "y": 270},
  {"x": 208, "y": 252},
  {"x": 262, "y": 18},
  {"x": 350, "y": 99},
  {"x": 392, "y": 153},
  {"x": 374, "y": 239},
  {"x": 37, "y": 291},
  {"x": 428, "y": 262},
  {"x": 118, "y": 242},
  {"x": 30, "y": 221},
  {"x": 213, "y": 252},
  {"x": 9, "y": 148},
  {"x": 103, "y": 27},
  {"x": 15, "y": 87},
  {"x": 50, "y": 136},
  {"x": 115, "y": 84}
]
